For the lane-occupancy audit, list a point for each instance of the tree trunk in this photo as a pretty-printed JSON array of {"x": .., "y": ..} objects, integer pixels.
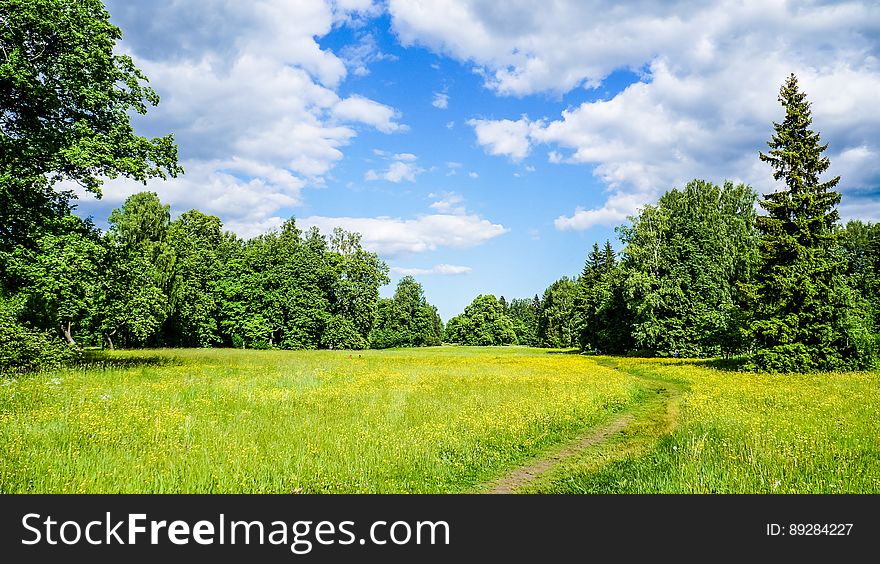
[
  {"x": 109, "y": 340},
  {"x": 65, "y": 329}
]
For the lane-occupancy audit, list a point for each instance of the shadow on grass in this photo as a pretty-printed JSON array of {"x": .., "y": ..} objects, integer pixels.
[
  {"x": 734, "y": 364},
  {"x": 100, "y": 360}
]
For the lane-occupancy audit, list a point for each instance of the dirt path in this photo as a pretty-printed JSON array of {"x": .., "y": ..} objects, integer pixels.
[
  {"x": 525, "y": 474},
  {"x": 660, "y": 410}
]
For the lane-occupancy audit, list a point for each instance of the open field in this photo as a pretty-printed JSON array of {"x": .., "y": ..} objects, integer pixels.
[{"x": 449, "y": 419}]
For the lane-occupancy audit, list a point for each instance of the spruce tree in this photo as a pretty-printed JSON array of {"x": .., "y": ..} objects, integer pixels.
[{"x": 800, "y": 310}]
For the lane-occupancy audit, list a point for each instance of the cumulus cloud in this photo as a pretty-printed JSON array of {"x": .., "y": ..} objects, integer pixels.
[
  {"x": 448, "y": 202},
  {"x": 251, "y": 98},
  {"x": 395, "y": 236},
  {"x": 360, "y": 109},
  {"x": 402, "y": 167},
  {"x": 503, "y": 137},
  {"x": 441, "y": 269},
  {"x": 708, "y": 77},
  {"x": 451, "y": 226}
]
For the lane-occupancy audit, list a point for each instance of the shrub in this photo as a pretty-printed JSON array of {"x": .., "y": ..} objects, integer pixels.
[{"x": 23, "y": 349}]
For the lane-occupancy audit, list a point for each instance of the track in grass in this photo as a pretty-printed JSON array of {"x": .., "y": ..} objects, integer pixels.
[
  {"x": 525, "y": 474},
  {"x": 658, "y": 409}
]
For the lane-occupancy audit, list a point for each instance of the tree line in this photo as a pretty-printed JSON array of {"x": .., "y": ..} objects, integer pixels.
[{"x": 150, "y": 281}]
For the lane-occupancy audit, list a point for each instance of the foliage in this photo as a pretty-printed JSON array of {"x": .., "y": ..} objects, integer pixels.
[
  {"x": 23, "y": 349},
  {"x": 407, "y": 319},
  {"x": 483, "y": 323},
  {"x": 132, "y": 301},
  {"x": 66, "y": 101},
  {"x": 684, "y": 261},
  {"x": 60, "y": 276},
  {"x": 556, "y": 322},
  {"x": 341, "y": 333},
  {"x": 194, "y": 300},
  {"x": 802, "y": 317},
  {"x": 860, "y": 245},
  {"x": 601, "y": 314},
  {"x": 525, "y": 313}
]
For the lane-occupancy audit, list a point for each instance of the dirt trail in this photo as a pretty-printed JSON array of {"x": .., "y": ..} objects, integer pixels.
[
  {"x": 667, "y": 400},
  {"x": 525, "y": 474}
]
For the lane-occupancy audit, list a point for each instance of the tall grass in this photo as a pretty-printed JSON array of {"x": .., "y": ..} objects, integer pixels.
[
  {"x": 427, "y": 420},
  {"x": 445, "y": 419},
  {"x": 739, "y": 433}
]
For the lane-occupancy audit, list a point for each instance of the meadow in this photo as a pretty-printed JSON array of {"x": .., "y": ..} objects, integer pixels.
[{"x": 438, "y": 420}]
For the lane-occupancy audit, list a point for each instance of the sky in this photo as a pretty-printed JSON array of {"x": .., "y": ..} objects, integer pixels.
[{"x": 483, "y": 146}]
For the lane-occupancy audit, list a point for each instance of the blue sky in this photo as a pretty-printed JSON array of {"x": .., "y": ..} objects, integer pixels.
[{"x": 484, "y": 146}]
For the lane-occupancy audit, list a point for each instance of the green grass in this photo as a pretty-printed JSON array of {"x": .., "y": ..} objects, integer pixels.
[
  {"x": 728, "y": 432},
  {"x": 449, "y": 419},
  {"x": 438, "y": 420}
]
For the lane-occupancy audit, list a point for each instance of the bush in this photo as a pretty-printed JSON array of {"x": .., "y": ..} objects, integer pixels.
[{"x": 25, "y": 350}]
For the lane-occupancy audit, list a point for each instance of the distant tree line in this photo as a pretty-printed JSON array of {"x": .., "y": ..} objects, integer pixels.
[
  {"x": 684, "y": 284},
  {"x": 150, "y": 281}
]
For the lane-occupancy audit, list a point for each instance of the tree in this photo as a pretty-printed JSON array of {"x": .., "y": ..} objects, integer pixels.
[
  {"x": 137, "y": 271},
  {"x": 23, "y": 349},
  {"x": 407, "y": 319},
  {"x": 65, "y": 106},
  {"x": 556, "y": 322},
  {"x": 60, "y": 276},
  {"x": 684, "y": 261},
  {"x": 357, "y": 276},
  {"x": 194, "y": 300},
  {"x": 600, "y": 308},
  {"x": 801, "y": 319},
  {"x": 524, "y": 314},
  {"x": 483, "y": 323},
  {"x": 860, "y": 244}
]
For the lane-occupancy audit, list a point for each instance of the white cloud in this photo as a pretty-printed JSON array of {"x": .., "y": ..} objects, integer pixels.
[
  {"x": 442, "y": 269},
  {"x": 441, "y": 100},
  {"x": 358, "y": 108},
  {"x": 448, "y": 202},
  {"x": 391, "y": 237},
  {"x": 451, "y": 227},
  {"x": 473, "y": 174},
  {"x": 403, "y": 167},
  {"x": 615, "y": 211},
  {"x": 503, "y": 137},
  {"x": 251, "y": 98},
  {"x": 247, "y": 205},
  {"x": 703, "y": 107},
  {"x": 358, "y": 57}
]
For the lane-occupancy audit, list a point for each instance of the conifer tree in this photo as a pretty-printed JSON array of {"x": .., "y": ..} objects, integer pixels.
[{"x": 800, "y": 309}]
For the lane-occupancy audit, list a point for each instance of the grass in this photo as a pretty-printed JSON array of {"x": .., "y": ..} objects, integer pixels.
[
  {"x": 728, "y": 432},
  {"x": 448, "y": 419},
  {"x": 438, "y": 420}
]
